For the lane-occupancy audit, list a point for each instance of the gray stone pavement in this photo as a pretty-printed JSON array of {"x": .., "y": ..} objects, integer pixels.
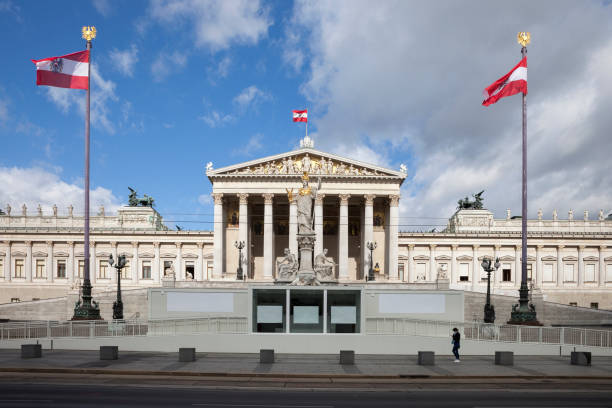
[{"x": 294, "y": 365}]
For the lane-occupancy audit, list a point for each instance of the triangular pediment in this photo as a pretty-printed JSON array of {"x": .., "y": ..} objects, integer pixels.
[{"x": 313, "y": 161}]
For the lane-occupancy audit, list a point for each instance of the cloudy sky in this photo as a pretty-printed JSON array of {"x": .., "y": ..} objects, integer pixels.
[{"x": 179, "y": 83}]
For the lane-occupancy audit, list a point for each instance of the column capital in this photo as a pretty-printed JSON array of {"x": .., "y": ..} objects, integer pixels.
[
  {"x": 179, "y": 245},
  {"x": 411, "y": 246},
  {"x": 454, "y": 246},
  {"x": 92, "y": 243},
  {"x": 113, "y": 244},
  {"x": 369, "y": 199},
  {"x": 7, "y": 242},
  {"x": 540, "y": 246},
  {"x": 560, "y": 246},
  {"x": 243, "y": 198},
  {"x": 156, "y": 245},
  {"x": 318, "y": 199},
  {"x": 70, "y": 243},
  {"x": 268, "y": 198},
  {"x": 476, "y": 246},
  {"x": 50, "y": 243},
  {"x": 518, "y": 247},
  {"x": 603, "y": 247},
  {"x": 200, "y": 245},
  {"x": 218, "y": 198},
  {"x": 394, "y": 200},
  {"x": 344, "y": 198},
  {"x": 135, "y": 244},
  {"x": 432, "y": 246},
  {"x": 581, "y": 247},
  {"x": 28, "y": 243},
  {"x": 498, "y": 247}
]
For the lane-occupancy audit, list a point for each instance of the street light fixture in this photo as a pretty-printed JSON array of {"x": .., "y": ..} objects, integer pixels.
[
  {"x": 118, "y": 304},
  {"x": 240, "y": 246},
  {"x": 371, "y": 246},
  {"x": 489, "y": 309}
]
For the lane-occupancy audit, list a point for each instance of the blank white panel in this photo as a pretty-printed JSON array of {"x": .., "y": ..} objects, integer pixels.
[
  {"x": 589, "y": 273},
  {"x": 568, "y": 270},
  {"x": 609, "y": 272},
  {"x": 269, "y": 314},
  {"x": 343, "y": 315},
  {"x": 306, "y": 314},
  {"x": 206, "y": 302},
  {"x": 548, "y": 273},
  {"x": 464, "y": 269},
  {"x": 408, "y": 303}
]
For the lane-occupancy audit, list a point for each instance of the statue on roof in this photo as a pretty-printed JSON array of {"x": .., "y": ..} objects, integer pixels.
[
  {"x": 134, "y": 201},
  {"x": 467, "y": 204}
]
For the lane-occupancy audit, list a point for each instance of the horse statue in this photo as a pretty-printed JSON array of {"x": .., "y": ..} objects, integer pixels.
[
  {"x": 134, "y": 201},
  {"x": 467, "y": 204}
]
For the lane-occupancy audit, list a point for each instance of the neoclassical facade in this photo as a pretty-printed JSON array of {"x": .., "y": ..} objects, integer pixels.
[{"x": 569, "y": 259}]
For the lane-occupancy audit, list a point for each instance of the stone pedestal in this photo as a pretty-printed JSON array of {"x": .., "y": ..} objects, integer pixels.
[
  {"x": 168, "y": 281},
  {"x": 306, "y": 273},
  {"x": 347, "y": 357},
  {"x": 426, "y": 358},
  {"x": 31, "y": 351},
  {"x": 109, "y": 352},
  {"x": 504, "y": 358},
  {"x": 581, "y": 358},
  {"x": 266, "y": 356},
  {"x": 443, "y": 284},
  {"x": 187, "y": 354}
]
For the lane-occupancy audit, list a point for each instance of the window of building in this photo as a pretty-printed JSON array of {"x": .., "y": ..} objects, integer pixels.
[
  {"x": 2, "y": 267},
  {"x": 548, "y": 272},
  {"x": 589, "y": 273},
  {"x": 15, "y": 300},
  {"x": 421, "y": 271},
  {"x": 529, "y": 272},
  {"x": 507, "y": 273},
  {"x": 189, "y": 270},
  {"x": 19, "y": 273},
  {"x": 81, "y": 268},
  {"x": 573, "y": 303},
  {"x": 568, "y": 271},
  {"x": 40, "y": 268},
  {"x": 464, "y": 272},
  {"x": 209, "y": 268},
  {"x": 594, "y": 305},
  {"x": 146, "y": 269},
  {"x": 609, "y": 272},
  {"x": 125, "y": 272},
  {"x": 61, "y": 268},
  {"x": 167, "y": 268},
  {"x": 103, "y": 269},
  {"x": 400, "y": 270}
]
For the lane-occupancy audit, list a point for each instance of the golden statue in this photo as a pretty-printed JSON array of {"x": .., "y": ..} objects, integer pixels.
[{"x": 524, "y": 38}]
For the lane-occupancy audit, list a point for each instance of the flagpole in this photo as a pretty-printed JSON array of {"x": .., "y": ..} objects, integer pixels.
[{"x": 85, "y": 310}]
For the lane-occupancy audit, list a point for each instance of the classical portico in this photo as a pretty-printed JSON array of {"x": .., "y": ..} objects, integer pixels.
[{"x": 255, "y": 203}]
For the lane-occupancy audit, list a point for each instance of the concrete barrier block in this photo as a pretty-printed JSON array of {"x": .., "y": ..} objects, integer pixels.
[
  {"x": 504, "y": 358},
  {"x": 187, "y": 354},
  {"x": 31, "y": 351},
  {"x": 266, "y": 356},
  {"x": 109, "y": 352},
  {"x": 581, "y": 358},
  {"x": 347, "y": 357},
  {"x": 426, "y": 358}
]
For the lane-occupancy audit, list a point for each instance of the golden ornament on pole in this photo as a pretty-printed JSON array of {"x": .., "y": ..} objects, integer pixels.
[
  {"x": 89, "y": 33},
  {"x": 524, "y": 38}
]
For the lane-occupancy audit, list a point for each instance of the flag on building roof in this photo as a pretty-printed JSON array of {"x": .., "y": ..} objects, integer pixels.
[
  {"x": 300, "y": 115},
  {"x": 512, "y": 83},
  {"x": 67, "y": 71}
]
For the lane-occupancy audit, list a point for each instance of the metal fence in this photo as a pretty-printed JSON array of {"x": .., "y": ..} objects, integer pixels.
[{"x": 491, "y": 332}]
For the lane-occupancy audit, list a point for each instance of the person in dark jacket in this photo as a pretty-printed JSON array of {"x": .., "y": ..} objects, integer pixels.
[{"x": 456, "y": 344}]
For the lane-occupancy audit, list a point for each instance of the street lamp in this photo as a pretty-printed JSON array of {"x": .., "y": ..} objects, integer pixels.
[
  {"x": 371, "y": 246},
  {"x": 239, "y": 245},
  {"x": 489, "y": 310},
  {"x": 118, "y": 304}
]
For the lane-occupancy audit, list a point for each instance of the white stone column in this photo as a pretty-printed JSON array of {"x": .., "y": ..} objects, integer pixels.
[
  {"x": 602, "y": 266},
  {"x": 268, "y": 236},
  {"x": 70, "y": 272},
  {"x": 475, "y": 269},
  {"x": 179, "y": 271},
  {"x": 433, "y": 273},
  {"x": 135, "y": 263},
  {"x": 368, "y": 230},
  {"x": 28, "y": 262},
  {"x": 243, "y": 231},
  {"x": 199, "y": 272},
  {"x": 49, "y": 261},
  {"x": 539, "y": 271},
  {"x": 411, "y": 272},
  {"x": 92, "y": 262},
  {"x": 498, "y": 273},
  {"x": 293, "y": 227},
  {"x": 157, "y": 274},
  {"x": 580, "y": 266},
  {"x": 111, "y": 269},
  {"x": 454, "y": 264},
  {"x": 318, "y": 223},
  {"x": 393, "y": 236},
  {"x": 8, "y": 265},
  {"x": 517, "y": 266},
  {"x": 343, "y": 237},
  {"x": 560, "y": 276},
  {"x": 218, "y": 235}
]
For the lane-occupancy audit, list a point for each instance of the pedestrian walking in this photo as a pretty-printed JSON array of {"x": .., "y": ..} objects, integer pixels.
[{"x": 456, "y": 342}]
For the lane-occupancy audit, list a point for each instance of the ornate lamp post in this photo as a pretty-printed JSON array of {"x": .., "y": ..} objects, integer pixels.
[
  {"x": 371, "y": 246},
  {"x": 240, "y": 246},
  {"x": 489, "y": 310},
  {"x": 118, "y": 304}
]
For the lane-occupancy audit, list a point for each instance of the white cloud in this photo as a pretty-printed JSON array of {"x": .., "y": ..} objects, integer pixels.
[
  {"x": 124, "y": 61},
  {"x": 103, "y": 7},
  {"x": 166, "y": 63},
  {"x": 250, "y": 97},
  {"x": 34, "y": 185},
  {"x": 205, "y": 199},
  {"x": 7, "y": 6},
  {"x": 217, "y": 24},
  {"x": 216, "y": 119},
  {"x": 4, "y": 113},
  {"x": 251, "y": 147}
]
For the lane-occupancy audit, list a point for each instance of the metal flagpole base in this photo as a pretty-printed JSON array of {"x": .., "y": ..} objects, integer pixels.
[
  {"x": 85, "y": 308},
  {"x": 524, "y": 313}
]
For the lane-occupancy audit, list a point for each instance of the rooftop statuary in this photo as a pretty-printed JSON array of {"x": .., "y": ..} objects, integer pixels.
[
  {"x": 467, "y": 204},
  {"x": 134, "y": 201}
]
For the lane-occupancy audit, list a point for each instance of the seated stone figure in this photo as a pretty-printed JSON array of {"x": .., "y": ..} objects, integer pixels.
[
  {"x": 323, "y": 267},
  {"x": 287, "y": 267}
]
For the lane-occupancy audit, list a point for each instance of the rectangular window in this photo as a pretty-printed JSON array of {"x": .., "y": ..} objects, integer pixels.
[
  {"x": 507, "y": 274},
  {"x": 421, "y": 271},
  {"x": 464, "y": 272},
  {"x": 125, "y": 272},
  {"x": 189, "y": 270},
  {"x": 269, "y": 311},
  {"x": 210, "y": 265},
  {"x": 168, "y": 270},
  {"x": 61, "y": 268},
  {"x": 19, "y": 273},
  {"x": 400, "y": 271},
  {"x": 103, "y": 269},
  {"x": 589, "y": 273},
  {"x": 81, "y": 268},
  {"x": 575, "y": 304},
  {"x": 306, "y": 311},
  {"x": 594, "y": 305},
  {"x": 40, "y": 268},
  {"x": 568, "y": 271},
  {"x": 529, "y": 272},
  {"x": 609, "y": 272},
  {"x": 146, "y": 269},
  {"x": 548, "y": 272}
]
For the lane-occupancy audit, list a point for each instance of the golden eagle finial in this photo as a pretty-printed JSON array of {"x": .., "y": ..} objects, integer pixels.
[
  {"x": 89, "y": 32},
  {"x": 524, "y": 38}
]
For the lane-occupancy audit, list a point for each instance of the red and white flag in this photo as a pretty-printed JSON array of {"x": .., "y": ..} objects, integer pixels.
[
  {"x": 67, "y": 71},
  {"x": 512, "y": 83},
  {"x": 300, "y": 115}
]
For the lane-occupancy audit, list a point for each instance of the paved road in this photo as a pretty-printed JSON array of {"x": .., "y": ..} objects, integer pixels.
[{"x": 50, "y": 395}]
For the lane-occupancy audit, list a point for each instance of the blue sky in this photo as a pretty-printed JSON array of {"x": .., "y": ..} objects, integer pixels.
[{"x": 181, "y": 83}]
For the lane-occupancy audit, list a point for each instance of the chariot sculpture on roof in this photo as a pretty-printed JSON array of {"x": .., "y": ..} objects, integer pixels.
[
  {"x": 134, "y": 201},
  {"x": 467, "y": 204}
]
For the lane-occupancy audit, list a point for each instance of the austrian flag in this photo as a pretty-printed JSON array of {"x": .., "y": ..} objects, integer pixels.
[
  {"x": 512, "y": 83},
  {"x": 67, "y": 71},
  {"x": 300, "y": 115}
]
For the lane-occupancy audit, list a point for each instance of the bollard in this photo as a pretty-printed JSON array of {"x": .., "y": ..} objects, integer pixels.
[
  {"x": 347, "y": 357},
  {"x": 187, "y": 354},
  {"x": 266, "y": 356},
  {"x": 504, "y": 358},
  {"x": 581, "y": 358},
  {"x": 31, "y": 351},
  {"x": 426, "y": 358},
  {"x": 109, "y": 352}
]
